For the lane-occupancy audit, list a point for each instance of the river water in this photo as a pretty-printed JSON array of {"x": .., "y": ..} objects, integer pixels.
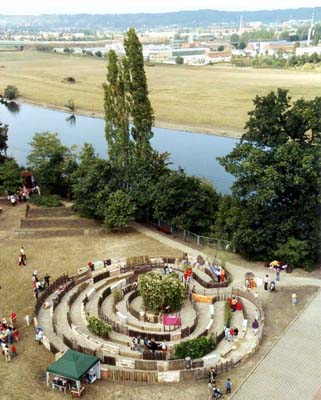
[{"x": 194, "y": 152}]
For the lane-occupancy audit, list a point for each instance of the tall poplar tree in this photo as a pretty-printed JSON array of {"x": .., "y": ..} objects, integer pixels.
[
  {"x": 116, "y": 113},
  {"x": 140, "y": 108}
]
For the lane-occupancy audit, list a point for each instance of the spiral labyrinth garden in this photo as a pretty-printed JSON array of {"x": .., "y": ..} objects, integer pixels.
[{"x": 64, "y": 308}]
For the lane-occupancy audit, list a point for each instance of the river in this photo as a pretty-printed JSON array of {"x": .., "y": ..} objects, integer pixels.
[{"x": 195, "y": 152}]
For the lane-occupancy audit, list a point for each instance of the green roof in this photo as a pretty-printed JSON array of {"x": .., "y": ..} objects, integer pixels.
[{"x": 73, "y": 365}]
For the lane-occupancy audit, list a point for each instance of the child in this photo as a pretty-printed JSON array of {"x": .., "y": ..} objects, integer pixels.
[
  {"x": 228, "y": 386},
  {"x": 14, "y": 350}
]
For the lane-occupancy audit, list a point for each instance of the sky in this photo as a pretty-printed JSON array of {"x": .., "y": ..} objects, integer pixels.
[{"x": 134, "y": 6}]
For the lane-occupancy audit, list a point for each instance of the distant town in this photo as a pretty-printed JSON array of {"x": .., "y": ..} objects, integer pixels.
[{"x": 223, "y": 42}]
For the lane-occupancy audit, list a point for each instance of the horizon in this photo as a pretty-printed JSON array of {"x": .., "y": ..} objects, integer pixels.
[{"x": 94, "y": 7}]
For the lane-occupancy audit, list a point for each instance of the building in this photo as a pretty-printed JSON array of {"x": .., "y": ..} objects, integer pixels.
[{"x": 308, "y": 51}]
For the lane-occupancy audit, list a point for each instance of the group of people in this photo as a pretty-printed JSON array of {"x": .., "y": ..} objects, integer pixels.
[
  {"x": 219, "y": 272},
  {"x": 231, "y": 333},
  {"x": 37, "y": 285},
  {"x": 268, "y": 284},
  {"x": 149, "y": 345},
  {"x": 9, "y": 336},
  {"x": 213, "y": 391}
]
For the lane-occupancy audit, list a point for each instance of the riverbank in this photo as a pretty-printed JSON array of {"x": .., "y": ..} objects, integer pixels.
[{"x": 215, "y": 131}]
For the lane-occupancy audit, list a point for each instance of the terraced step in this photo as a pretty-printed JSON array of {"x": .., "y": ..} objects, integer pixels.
[
  {"x": 37, "y": 223},
  {"x": 45, "y": 233}
]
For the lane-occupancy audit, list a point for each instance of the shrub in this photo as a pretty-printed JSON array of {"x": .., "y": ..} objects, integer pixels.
[
  {"x": 98, "y": 53},
  {"x": 98, "y": 327},
  {"x": 195, "y": 348},
  {"x": 158, "y": 290},
  {"x": 68, "y": 50},
  {"x": 46, "y": 201},
  {"x": 227, "y": 315},
  {"x": 70, "y": 79},
  {"x": 11, "y": 92},
  {"x": 118, "y": 295},
  {"x": 44, "y": 48},
  {"x": 295, "y": 252}
]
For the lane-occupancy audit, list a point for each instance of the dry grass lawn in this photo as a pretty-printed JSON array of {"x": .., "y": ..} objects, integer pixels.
[
  {"x": 208, "y": 99},
  {"x": 23, "y": 378}
]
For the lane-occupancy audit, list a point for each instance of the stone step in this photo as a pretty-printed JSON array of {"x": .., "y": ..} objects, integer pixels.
[
  {"x": 45, "y": 233},
  {"x": 36, "y": 223}
]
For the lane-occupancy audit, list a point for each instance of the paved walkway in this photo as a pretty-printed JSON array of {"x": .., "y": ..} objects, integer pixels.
[{"x": 291, "y": 370}]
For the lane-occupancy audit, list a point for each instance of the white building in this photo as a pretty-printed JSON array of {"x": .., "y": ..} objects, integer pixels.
[{"x": 308, "y": 51}]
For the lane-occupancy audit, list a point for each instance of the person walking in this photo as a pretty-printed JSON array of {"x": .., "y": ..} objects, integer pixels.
[
  {"x": 21, "y": 260},
  {"x": 46, "y": 279},
  {"x": 255, "y": 326},
  {"x": 294, "y": 299},
  {"x": 14, "y": 350},
  {"x": 27, "y": 319},
  {"x": 228, "y": 386},
  {"x": 266, "y": 282},
  {"x": 13, "y": 317},
  {"x": 256, "y": 314},
  {"x": 139, "y": 346},
  {"x": 6, "y": 354},
  {"x": 277, "y": 273}
]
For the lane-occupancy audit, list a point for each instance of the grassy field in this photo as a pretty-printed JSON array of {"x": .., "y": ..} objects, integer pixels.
[{"x": 207, "y": 99}]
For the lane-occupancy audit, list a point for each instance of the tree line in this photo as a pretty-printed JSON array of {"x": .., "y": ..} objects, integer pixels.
[{"x": 274, "y": 207}]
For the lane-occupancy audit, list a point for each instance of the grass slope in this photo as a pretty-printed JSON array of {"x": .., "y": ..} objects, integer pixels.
[{"x": 209, "y": 99}]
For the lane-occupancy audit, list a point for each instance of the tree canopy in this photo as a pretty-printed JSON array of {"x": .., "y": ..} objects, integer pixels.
[
  {"x": 158, "y": 290},
  {"x": 276, "y": 194},
  {"x": 52, "y": 163}
]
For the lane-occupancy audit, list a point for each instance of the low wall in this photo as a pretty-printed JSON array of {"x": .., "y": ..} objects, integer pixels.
[
  {"x": 50, "y": 212},
  {"x": 46, "y": 234},
  {"x": 32, "y": 223}
]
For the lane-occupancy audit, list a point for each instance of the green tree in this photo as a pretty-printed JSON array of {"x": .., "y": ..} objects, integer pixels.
[
  {"x": 158, "y": 290},
  {"x": 220, "y": 48},
  {"x": 120, "y": 210},
  {"x": 140, "y": 107},
  {"x": 98, "y": 53},
  {"x": 276, "y": 194},
  {"x": 70, "y": 105},
  {"x": 10, "y": 176},
  {"x": 295, "y": 252},
  {"x": 92, "y": 184},
  {"x": 179, "y": 60},
  {"x": 52, "y": 163},
  {"x": 116, "y": 113},
  {"x": 3, "y": 140},
  {"x": 186, "y": 202},
  {"x": 235, "y": 39},
  {"x": 11, "y": 92}
]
